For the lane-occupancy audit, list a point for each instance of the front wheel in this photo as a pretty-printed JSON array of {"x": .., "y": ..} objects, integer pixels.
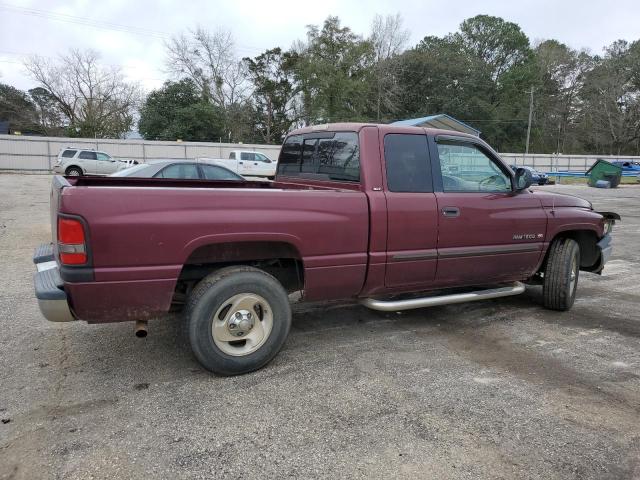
[
  {"x": 73, "y": 172},
  {"x": 238, "y": 318},
  {"x": 561, "y": 274}
]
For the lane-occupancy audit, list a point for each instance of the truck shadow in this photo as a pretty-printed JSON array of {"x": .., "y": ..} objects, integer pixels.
[{"x": 321, "y": 325}]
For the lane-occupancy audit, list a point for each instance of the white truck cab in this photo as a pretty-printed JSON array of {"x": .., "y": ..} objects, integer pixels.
[
  {"x": 82, "y": 161},
  {"x": 247, "y": 163}
]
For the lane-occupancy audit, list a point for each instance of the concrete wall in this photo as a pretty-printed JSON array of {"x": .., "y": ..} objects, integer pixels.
[{"x": 40, "y": 153}]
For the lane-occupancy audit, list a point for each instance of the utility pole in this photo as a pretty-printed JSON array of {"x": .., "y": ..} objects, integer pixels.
[{"x": 526, "y": 151}]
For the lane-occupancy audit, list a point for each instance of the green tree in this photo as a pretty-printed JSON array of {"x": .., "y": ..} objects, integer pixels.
[
  {"x": 440, "y": 76},
  {"x": 610, "y": 97},
  {"x": 334, "y": 72},
  {"x": 501, "y": 45},
  {"x": 479, "y": 75},
  {"x": 561, "y": 75},
  {"x": 178, "y": 111},
  {"x": 50, "y": 118},
  {"x": 18, "y": 109},
  {"x": 275, "y": 93}
]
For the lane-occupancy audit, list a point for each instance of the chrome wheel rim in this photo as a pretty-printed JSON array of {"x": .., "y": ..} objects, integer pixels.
[
  {"x": 242, "y": 324},
  {"x": 74, "y": 173},
  {"x": 573, "y": 279}
]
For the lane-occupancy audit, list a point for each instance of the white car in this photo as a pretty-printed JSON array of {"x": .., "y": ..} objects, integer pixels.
[
  {"x": 74, "y": 162},
  {"x": 247, "y": 163}
]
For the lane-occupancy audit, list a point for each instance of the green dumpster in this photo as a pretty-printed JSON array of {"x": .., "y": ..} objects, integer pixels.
[{"x": 602, "y": 170}]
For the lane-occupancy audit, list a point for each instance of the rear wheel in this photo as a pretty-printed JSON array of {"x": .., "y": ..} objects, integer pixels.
[
  {"x": 561, "y": 274},
  {"x": 73, "y": 172},
  {"x": 238, "y": 319}
]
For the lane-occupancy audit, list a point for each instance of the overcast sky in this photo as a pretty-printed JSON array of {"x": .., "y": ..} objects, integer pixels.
[{"x": 49, "y": 28}]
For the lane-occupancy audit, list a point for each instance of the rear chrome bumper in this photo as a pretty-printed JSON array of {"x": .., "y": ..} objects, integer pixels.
[{"x": 49, "y": 287}]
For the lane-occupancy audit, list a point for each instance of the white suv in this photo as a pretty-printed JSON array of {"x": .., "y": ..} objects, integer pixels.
[{"x": 74, "y": 162}]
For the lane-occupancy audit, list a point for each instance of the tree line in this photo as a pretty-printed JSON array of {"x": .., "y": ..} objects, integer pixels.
[{"x": 486, "y": 74}]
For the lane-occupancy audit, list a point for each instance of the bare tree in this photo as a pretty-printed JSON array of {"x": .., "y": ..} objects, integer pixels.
[
  {"x": 95, "y": 100},
  {"x": 388, "y": 36},
  {"x": 209, "y": 59},
  {"x": 389, "y": 39}
]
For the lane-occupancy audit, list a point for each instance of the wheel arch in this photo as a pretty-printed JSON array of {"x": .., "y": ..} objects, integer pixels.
[
  {"x": 68, "y": 167},
  {"x": 587, "y": 239},
  {"x": 279, "y": 258}
]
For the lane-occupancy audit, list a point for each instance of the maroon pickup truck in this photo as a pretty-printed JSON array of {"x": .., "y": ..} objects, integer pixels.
[{"x": 395, "y": 217}]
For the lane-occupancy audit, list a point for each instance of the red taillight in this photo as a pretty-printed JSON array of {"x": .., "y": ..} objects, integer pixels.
[{"x": 71, "y": 242}]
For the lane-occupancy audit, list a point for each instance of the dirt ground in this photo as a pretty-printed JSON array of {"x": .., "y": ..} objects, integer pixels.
[{"x": 493, "y": 389}]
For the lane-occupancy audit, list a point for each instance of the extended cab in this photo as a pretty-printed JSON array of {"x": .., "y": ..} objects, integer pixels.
[
  {"x": 247, "y": 163},
  {"x": 383, "y": 214}
]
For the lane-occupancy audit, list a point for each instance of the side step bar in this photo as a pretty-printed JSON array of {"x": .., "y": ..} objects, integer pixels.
[{"x": 397, "y": 305}]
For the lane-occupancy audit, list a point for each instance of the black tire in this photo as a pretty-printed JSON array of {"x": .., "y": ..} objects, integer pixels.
[
  {"x": 563, "y": 263},
  {"x": 210, "y": 295},
  {"x": 73, "y": 172}
]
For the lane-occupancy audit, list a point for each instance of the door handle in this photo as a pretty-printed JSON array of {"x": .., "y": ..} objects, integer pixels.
[
  {"x": 241, "y": 163},
  {"x": 451, "y": 211}
]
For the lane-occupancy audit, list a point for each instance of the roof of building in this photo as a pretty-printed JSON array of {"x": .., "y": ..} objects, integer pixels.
[{"x": 442, "y": 121}]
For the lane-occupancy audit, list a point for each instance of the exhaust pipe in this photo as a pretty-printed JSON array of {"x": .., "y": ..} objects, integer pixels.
[
  {"x": 141, "y": 328},
  {"x": 397, "y": 305}
]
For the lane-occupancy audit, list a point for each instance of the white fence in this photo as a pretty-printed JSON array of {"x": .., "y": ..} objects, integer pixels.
[
  {"x": 39, "y": 153},
  {"x": 559, "y": 163}
]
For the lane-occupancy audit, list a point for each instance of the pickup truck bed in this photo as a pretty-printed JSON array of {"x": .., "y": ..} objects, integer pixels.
[
  {"x": 143, "y": 233},
  {"x": 357, "y": 211}
]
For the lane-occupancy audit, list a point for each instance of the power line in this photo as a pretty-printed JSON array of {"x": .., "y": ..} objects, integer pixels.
[
  {"x": 106, "y": 25},
  {"x": 62, "y": 17}
]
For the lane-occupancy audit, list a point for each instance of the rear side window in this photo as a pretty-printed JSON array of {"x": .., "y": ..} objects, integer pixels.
[
  {"x": 246, "y": 156},
  {"x": 69, "y": 153},
  {"x": 179, "y": 170},
  {"x": 330, "y": 157},
  {"x": 88, "y": 155},
  {"x": 407, "y": 163},
  {"x": 212, "y": 172},
  {"x": 232, "y": 156}
]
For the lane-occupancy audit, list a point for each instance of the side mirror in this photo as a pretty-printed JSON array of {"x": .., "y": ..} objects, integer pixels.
[
  {"x": 523, "y": 179},
  {"x": 268, "y": 160}
]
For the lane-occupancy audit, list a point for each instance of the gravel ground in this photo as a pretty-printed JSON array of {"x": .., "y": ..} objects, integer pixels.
[{"x": 494, "y": 389}]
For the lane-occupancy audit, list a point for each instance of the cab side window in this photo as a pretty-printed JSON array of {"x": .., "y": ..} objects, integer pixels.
[
  {"x": 246, "y": 156},
  {"x": 466, "y": 168},
  {"x": 232, "y": 156},
  {"x": 407, "y": 163}
]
